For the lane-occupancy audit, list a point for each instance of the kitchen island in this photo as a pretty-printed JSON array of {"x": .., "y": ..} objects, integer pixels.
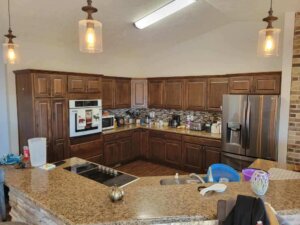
[{"x": 61, "y": 197}]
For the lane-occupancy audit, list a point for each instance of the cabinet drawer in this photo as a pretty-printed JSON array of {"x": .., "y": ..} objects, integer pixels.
[
  {"x": 97, "y": 159},
  {"x": 202, "y": 141},
  {"x": 172, "y": 136},
  {"x": 87, "y": 150},
  {"x": 118, "y": 135},
  {"x": 159, "y": 134}
]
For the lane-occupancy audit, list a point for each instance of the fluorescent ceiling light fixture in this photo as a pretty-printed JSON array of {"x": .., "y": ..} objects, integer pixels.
[{"x": 163, "y": 12}]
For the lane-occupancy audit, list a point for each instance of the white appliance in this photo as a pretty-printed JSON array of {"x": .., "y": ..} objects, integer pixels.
[
  {"x": 38, "y": 151},
  {"x": 108, "y": 122},
  {"x": 85, "y": 117}
]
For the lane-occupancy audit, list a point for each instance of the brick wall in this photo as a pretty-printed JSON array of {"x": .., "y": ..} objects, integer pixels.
[{"x": 293, "y": 154}]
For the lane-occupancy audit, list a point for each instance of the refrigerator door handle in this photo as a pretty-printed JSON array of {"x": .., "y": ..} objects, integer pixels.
[
  {"x": 248, "y": 125},
  {"x": 244, "y": 130}
]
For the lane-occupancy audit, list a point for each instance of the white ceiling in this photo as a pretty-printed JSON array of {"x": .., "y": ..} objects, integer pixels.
[{"x": 55, "y": 21}]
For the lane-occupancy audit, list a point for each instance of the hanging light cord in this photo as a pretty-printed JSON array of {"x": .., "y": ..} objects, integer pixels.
[{"x": 9, "y": 14}]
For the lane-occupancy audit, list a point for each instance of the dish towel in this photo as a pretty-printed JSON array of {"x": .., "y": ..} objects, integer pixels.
[
  {"x": 281, "y": 174},
  {"x": 247, "y": 211},
  {"x": 81, "y": 120}
]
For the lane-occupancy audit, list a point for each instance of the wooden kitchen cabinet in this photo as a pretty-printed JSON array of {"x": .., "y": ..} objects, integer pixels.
[
  {"x": 267, "y": 84},
  {"x": 212, "y": 156},
  {"x": 76, "y": 84},
  {"x": 240, "y": 84},
  {"x": 122, "y": 93},
  {"x": 108, "y": 93},
  {"x": 195, "y": 93},
  {"x": 126, "y": 148},
  {"x": 173, "y": 152},
  {"x": 59, "y": 130},
  {"x": 88, "y": 148},
  {"x": 156, "y": 93},
  {"x": 157, "y": 149},
  {"x": 42, "y": 85},
  {"x": 217, "y": 87},
  {"x": 136, "y": 143},
  {"x": 93, "y": 84},
  {"x": 144, "y": 147},
  {"x": 139, "y": 93},
  {"x": 112, "y": 153},
  {"x": 173, "y": 93},
  {"x": 193, "y": 157},
  {"x": 84, "y": 84}
]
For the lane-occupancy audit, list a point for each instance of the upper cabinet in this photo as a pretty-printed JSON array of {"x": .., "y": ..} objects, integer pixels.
[
  {"x": 139, "y": 93},
  {"x": 217, "y": 87},
  {"x": 241, "y": 84},
  {"x": 267, "y": 84},
  {"x": 256, "y": 83},
  {"x": 49, "y": 85},
  {"x": 84, "y": 84},
  {"x": 173, "y": 93},
  {"x": 122, "y": 93},
  {"x": 195, "y": 93},
  {"x": 156, "y": 93},
  {"x": 116, "y": 93}
]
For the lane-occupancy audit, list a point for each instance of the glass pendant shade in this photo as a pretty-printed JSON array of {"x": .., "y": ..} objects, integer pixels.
[
  {"x": 268, "y": 42},
  {"x": 90, "y": 36},
  {"x": 10, "y": 53}
]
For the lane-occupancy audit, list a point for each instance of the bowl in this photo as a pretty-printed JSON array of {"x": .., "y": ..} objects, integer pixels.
[{"x": 247, "y": 173}]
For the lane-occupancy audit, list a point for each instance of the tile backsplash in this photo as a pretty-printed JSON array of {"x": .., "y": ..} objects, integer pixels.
[{"x": 166, "y": 114}]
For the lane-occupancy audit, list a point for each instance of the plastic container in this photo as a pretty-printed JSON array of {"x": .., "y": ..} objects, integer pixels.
[
  {"x": 37, "y": 149},
  {"x": 219, "y": 171},
  {"x": 247, "y": 173}
]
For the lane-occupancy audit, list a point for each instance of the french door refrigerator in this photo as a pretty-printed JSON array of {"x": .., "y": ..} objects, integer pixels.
[{"x": 249, "y": 129}]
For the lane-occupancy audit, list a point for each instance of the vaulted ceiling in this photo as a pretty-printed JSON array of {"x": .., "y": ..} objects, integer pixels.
[{"x": 55, "y": 22}]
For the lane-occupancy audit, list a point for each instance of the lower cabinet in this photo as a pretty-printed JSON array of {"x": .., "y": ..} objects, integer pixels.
[
  {"x": 212, "y": 156},
  {"x": 173, "y": 152},
  {"x": 194, "y": 157},
  {"x": 157, "y": 149},
  {"x": 112, "y": 153},
  {"x": 126, "y": 148},
  {"x": 144, "y": 144}
]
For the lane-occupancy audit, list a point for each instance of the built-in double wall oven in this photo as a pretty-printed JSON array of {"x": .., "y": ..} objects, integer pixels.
[{"x": 85, "y": 117}]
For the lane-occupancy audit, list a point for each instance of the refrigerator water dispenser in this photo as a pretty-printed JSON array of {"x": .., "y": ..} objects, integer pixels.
[{"x": 234, "y": 133}]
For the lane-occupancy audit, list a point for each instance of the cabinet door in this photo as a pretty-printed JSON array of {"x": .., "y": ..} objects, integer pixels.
[
  {"x": 126, "y": 149},
  {"x": 58, "y": 86},
  {"x": 212, "y": 156},
  {"x": 155, "y": 93},
  {"x": 43, "y": 123},
  {"x": 112, "y": 153},
  {"x": 267, "y": 84},
  {"x": 93, "y": 84},
  {"x": 42, "y": 85},
  {"x": 123, "y": 93},
  {"x": 108, "y": 93},
  {"x": 59, "y": 130},
  {"x": 173, "y": 152},
  {"x": 157, "y": 149},
  {"x": 144, "y": 149},
  {"x": 195, "y": 93},
  {"x": 240, "y": 85},
  {"x": 76, "y": 84},
  {"x": 136, "y": 143},
  {"x": 173, "y": 94},
  {"x": 87, "y": 149},
  {"x": 193, "y": 157},
  {"x": 139, "y": 93},
  {"x": 217, "y": 87}
]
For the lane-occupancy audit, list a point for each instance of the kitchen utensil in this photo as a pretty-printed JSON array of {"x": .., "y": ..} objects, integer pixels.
[
  {"x": 116, "y": 194},
  {"x": 247, "y": 173},
  {"x": 215, "y": 187}
]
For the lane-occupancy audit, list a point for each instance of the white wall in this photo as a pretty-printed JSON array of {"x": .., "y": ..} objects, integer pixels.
[
  {"x": 4, "y": 124},
  {"x": 228, "y": 49},
  {"x": 286, "y": 85}
]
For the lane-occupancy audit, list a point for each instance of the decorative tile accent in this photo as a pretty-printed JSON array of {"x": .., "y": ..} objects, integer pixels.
[{"x": 293, "y": 152}]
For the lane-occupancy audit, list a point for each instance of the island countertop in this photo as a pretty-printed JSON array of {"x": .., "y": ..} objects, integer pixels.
[{"x": 72, "y": 199}]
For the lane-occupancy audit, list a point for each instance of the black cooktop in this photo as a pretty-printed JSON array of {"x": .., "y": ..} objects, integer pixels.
[{"x": 102, "y": 174}]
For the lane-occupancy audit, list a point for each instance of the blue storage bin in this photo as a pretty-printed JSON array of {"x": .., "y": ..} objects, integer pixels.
[{"x": 219, "y": 170}]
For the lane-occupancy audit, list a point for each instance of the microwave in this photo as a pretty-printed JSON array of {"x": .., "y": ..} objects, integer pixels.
[{"x": 108, "y": 122}]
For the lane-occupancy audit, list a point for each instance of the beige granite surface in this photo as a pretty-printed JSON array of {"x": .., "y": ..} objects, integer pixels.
[
  {"x": 73, "y": 199},
  {"x": 203, "y": 134}
]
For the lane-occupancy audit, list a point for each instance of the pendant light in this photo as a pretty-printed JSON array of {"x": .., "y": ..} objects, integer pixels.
[
  {"x": 10, "y": 55},
  {"x": 268, "y": 39},
  {"x": 90, "y": 31}
]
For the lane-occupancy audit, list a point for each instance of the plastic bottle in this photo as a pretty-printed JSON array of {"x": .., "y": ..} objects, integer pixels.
[{"x": 26, "y": 156}]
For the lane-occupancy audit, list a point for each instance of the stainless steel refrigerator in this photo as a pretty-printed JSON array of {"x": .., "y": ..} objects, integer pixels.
[{"x": 249, "y": 129}]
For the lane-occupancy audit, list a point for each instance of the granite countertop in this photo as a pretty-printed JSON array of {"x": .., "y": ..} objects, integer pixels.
[
  {"x": 77, "y": 200},
  {"x": 203, "y": 134}
]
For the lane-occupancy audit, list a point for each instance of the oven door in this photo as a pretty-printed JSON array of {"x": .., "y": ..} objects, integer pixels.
[{"x": 85, "y": 121}]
